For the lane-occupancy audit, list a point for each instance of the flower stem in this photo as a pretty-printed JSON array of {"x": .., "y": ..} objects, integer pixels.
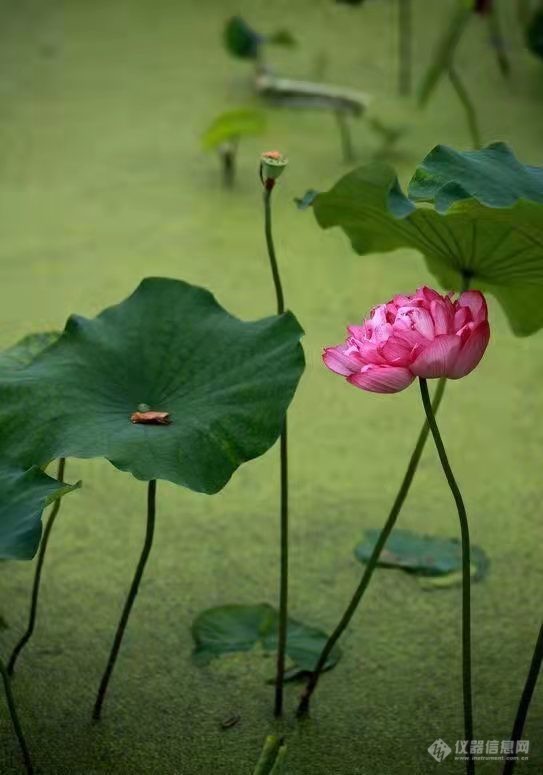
[
  {"x": 284, "y": 521},
  {"x": 151, "y": 514},
  {"x": 15, "y": 719},
  {"x": 467, "y": 104},
  {"x": 37, "y": 576},
  {"x": 405, "y": 37},
  {"x": 303, "y": 707},
  {"x": 466, "y": 570},
  {"x": 526, "y": 698}
]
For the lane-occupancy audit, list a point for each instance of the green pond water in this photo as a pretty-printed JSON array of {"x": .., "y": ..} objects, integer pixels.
[{"x": 102, "y": 182}]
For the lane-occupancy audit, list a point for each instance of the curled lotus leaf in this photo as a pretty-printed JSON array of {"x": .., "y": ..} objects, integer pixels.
[{"x": 476, "y": 216}]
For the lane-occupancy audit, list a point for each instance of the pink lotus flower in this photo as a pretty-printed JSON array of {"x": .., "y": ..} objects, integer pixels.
[{"x": 422, "y": 335}]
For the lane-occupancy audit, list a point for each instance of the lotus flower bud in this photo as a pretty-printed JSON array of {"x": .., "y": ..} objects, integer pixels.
[{"x": 423, "y": 335}]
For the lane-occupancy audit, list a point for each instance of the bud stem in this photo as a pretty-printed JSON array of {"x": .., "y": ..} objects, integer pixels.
[{"x": 284, "y": 516}]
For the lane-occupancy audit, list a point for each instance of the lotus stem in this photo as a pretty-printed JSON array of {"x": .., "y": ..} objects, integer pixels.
[
  {"x": 15, "y": 719},
  {"x": 271, "y": 251},
  {"x": 405, "y": 49},
  {"x": 524, "y": 13},
  {"x": 498, "y": 40},
  {"x": 303, "y": 708},
  {"x": 267, "y": 755},
  {"x": 37, "y": 576},
  {"x": 466, "y": 571},
  {"x": 347, "y": 148},
  {"x": 526, "y": 698},
  {"x": 284, "y": 515},
  {"x": 468, "y": 106},
  {"x": 151, "y": 515},
  {"x": 228, "y": 153}
]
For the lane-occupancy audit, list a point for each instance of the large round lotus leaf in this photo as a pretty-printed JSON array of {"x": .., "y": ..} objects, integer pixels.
[
  {"x": 472, "y": 214},
  {"x": 233, "y": 628},
  {"x": 225, "y": 383},
  {"x": 24, "y": 495},
  {"x": 22, "y": 353}
]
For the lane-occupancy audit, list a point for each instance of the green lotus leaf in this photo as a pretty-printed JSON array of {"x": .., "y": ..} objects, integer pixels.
[
  {"x": 431, "y": 557},
  {"x": 22, "y": 353},
  {"x": 226, "y": 385},
  {"x": 241, "y": 40},
  {"x": 25, "y": 494},
  {"x": 475, "y": 215},
  {"x": 233, "y": 628},
  {"x": 232, "y": 125},
  {"x": 23, "y": 497}
]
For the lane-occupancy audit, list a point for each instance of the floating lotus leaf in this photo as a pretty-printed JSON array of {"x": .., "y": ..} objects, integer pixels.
[
  {"x": 225, "y": 384},
  {"x": 475, "y": 215},
  {"x": 423, "y": 555},
  {"x": 233, "y": 628}
]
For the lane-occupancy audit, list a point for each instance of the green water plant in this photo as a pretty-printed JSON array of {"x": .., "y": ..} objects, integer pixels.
[
  {"x": 25, "y": 493},
  {"x": 135, "y": 386},
  {"x": 423, "y": 335},
  {"x": 231, "y": 629},
  {"x": 272, "y": 166},
  {"x": 435, "y": 561},
  {"x": 225, "y": 134},
  {"x": 17, "y": 357},
  {"x": 34, "y": 598},
  {"x": 477, "y": 218}
]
